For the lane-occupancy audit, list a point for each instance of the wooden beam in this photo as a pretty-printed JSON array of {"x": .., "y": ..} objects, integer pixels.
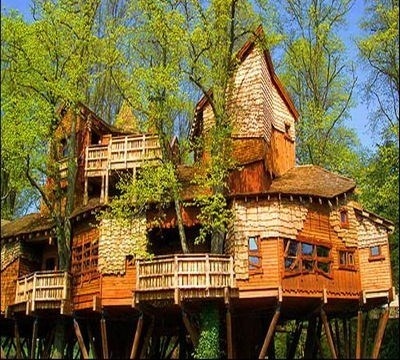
[
  {"x": 34, "y": 337},
  {"x": 328, "y": 334},
  {"x": 270, "y": 332},
  {"x": 92, "y": 348},
  {"x": 337, "y": 333},
  {"x": 346, "y": 336},
  {"x": 310, "y": 337},
  {"x": 366, "y": 331},
  {"x": 359, "y": 334},
  {"x": 136, "y": 339},
  {"x": 17, "y": 340},
  {"x": 379, "y": 333},
  {"x": 194, "y": 336},
  {"x": 104, "y": 344},
  {"x": 81, "y": 343},
  {"x": 229, "y": 333}
]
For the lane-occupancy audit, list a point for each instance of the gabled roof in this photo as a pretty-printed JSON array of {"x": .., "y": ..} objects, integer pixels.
[
  {"x": 372, "y": 216},
  {"x": 241, "y": 55},
  {"x": 311, "y": 180}
]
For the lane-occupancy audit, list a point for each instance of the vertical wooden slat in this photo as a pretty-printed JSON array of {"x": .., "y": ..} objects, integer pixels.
[
  {"x": 138, "y": 333},
  {"x": 359, "y": 334},
  {"x": 379, "y": 333},
  {"x": 270, "y": 332},
  {"x": 328, "y": 334},
  {"x": 80, "y": 340}
]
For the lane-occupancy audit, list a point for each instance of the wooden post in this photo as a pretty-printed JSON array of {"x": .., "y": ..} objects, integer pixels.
[
  {"x": 346, "y": 339},
  {"x": 190, "y": 329},
  {"x": 379, "y": 333},
  {"x": 149, "y": 332},
  {"x": 328, "y": 334},
  {"x": 366, "y": 331},
  {"x": 270, "y": 332},
  {"x": 17, "y": 340},
  {"x": 337, "y": 333},
  {"x": 310, "y": 338},
  {"x": 106, "y": 189},
  {"x": 92, "y": 348},
  {"x": 81, "y": 343},
  {"x": 296, "y": 337},
  {"x": 359, "y": 334},
  {"x": 229, "y": 333},
  {"x": 102, "y": 189},
  {"x": 34, "y": 337},
  {"x": 136, "y": 339},
  {"x": 104, "y": 343}
]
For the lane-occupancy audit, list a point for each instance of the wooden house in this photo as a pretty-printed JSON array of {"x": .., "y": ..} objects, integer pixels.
[{"x": 299, "y": 246}]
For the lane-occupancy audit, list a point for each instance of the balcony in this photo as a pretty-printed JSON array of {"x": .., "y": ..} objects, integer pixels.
[
  {"x": 44, "y": 290},
  {"x": 184, "y": 276},
  {"x": 122, "y": 152}
]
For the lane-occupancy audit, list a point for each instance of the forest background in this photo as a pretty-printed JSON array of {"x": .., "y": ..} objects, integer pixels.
[{"x": 346, "y": 87}]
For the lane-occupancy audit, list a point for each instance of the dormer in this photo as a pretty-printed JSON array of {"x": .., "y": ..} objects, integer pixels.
[{"x": 259, "y": 107}]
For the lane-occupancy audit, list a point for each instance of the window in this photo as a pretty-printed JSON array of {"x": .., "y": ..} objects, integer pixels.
[
  {"x": 303, "y": 257},
  {"x": 254, "y": 254},
  {"x": 344, "y": 218},
  {"x": 84, "y": 261},
  {"x": 346, "y": 259},
  {"x": 375, "y": 253}
]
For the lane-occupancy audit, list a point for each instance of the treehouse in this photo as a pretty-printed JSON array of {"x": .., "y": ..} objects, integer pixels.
[{"x": 299, "y": 247}]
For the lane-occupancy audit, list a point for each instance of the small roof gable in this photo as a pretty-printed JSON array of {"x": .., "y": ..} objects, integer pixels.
[
  {"x": 241, "y": 55},
  {"x": 28, "y": 224},
  {"x": 311, "y": 180},
  {"x": 358, "y": 208}
]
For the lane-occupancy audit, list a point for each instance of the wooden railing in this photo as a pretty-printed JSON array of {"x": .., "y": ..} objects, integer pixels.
[
  {"x": 43, "y": 286},
  {"x": 122, "y": 152},
  {"x": 188, "y": 271}
]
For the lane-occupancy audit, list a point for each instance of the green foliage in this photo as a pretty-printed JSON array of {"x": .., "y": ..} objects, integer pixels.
[
  {"x": 208, "y": 347},
  {"x": 155, "y": 185},
  {"x": 380, "y": 51},
  {"x": 321, "y": 82}
]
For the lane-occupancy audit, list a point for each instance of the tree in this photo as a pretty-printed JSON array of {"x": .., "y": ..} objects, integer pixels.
[
  {"x": 320, "y": 80},
  {"x": 45, "y": 64},
  {"x": 380, "y": 51}
]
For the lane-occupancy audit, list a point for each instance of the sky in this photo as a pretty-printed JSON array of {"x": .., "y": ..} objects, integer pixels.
[{"x": 358, "y": 118}]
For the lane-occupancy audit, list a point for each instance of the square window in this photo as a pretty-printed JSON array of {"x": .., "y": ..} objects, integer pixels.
[
  {"x": 344, "y": 218},
  {"x": 375, "y": 250},
  {"x": 253, "y": 245}
]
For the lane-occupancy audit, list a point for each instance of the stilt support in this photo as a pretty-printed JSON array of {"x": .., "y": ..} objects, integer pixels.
[
  {"x": 17, "y": 340},
  {"x": 296, "y": 337},
  {"x": 328, "y": 334},
  {"x": 379, "y": 333},
  {"x": 138, "y": 333},
  {"x": 103, "y": 328},
  {"x": 359, "y": 334},
  {"x": 34, "y": 337},
  {"x": 270, "y": 332},
  {"x": 229, "y": 333},
  {"x": 190, "y": 329},
  {"x": 81, "y": 343}
]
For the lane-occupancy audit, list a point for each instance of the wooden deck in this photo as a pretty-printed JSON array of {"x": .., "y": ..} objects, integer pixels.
[
  {"x": 175, "y": 277},
  {"x": 44, "y": 290},
  {"x": 122, "y": 152}
]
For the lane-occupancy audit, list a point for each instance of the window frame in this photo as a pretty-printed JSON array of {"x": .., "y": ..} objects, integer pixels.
[
  {"x": 84, "y": 264},
  {"x": 254, "y": 268},
  {"x": 378, "y": 256},
  {"x": 349, "y": 257},
  {"x": 301, "y": 259},
  {"x": 344, "y": 223}
]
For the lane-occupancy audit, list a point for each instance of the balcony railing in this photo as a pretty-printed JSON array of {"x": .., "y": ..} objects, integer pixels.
[
  {"x": 43, "y": 287},
  {"x": 122, "y": 152},
  {"x": 190, "y": 275}
]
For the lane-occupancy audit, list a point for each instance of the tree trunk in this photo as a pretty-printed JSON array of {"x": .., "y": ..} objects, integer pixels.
[{"x": 181, "y": 229}]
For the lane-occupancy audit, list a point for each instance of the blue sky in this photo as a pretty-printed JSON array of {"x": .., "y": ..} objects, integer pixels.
[{"x": 359, "y": 113}]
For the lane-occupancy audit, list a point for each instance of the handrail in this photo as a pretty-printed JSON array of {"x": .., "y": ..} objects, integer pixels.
[
  {"x": 120, "y": 152},
  {"x": 43, "y": 286},
  {"x": 185, "y": 271}
]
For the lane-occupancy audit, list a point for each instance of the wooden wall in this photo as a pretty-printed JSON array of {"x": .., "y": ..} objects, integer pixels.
[
  {"x": 276, "y": 221},
  {"x": 281, "y": 155},
  {"x": 9, "y": 276},
  {"x": 249, "y": 179}
]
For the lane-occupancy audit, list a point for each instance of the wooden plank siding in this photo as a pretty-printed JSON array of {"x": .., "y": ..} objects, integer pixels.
[{"x": 9, "y": 276}]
